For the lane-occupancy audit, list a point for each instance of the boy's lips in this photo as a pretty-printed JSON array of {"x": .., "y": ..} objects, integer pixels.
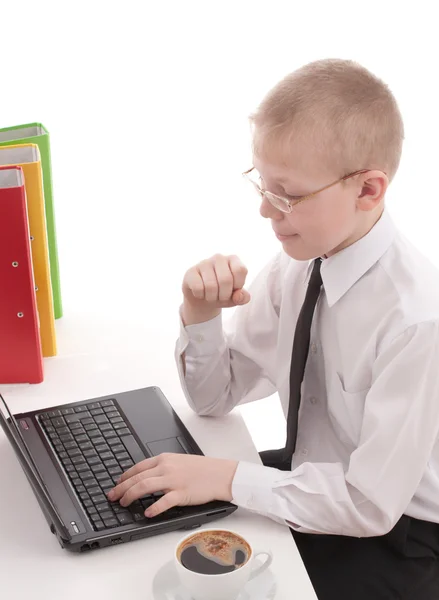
[{"x": 283, "y": 236}]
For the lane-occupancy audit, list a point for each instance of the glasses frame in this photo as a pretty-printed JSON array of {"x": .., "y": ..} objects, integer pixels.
[{"x": 286, "y": 205}]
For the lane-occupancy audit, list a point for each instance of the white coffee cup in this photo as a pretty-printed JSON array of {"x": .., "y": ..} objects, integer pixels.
[{"x": 224, "y": 586}]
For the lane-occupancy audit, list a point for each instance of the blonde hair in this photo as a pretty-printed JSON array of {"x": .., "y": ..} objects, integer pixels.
[{"x": 349, "y": 116}]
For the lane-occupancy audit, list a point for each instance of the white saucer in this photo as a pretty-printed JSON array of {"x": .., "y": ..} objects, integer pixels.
[{"x": 166, "y": 585}]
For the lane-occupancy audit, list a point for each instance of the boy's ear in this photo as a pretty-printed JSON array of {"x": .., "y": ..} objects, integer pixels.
[{"x": 373, "y": 189}]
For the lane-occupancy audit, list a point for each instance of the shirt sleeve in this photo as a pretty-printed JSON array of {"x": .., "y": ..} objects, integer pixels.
[
  {"x": 399, "y": 431},
  {"x": 235, "y": 363}
]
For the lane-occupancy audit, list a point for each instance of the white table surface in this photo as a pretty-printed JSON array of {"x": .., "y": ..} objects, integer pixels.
[{"x": 98, "y": 357}]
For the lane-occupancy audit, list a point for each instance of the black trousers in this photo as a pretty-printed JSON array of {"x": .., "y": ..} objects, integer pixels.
[{"x": 401, "y": 565}]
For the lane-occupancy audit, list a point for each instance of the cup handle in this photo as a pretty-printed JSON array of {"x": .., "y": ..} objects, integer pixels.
[{"x": 265, "y": 565}]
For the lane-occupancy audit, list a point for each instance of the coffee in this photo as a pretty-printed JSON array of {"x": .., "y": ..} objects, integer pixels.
[{"x": 214, "y": 552}]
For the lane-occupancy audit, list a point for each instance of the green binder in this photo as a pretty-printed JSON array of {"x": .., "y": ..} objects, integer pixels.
[{"x": 35, "y": 133}]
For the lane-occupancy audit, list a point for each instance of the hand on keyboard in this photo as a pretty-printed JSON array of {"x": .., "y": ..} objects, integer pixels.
[{"x": 185, "y": 480}]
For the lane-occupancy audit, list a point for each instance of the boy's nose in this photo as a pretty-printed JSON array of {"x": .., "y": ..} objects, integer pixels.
[{"x": 268, "y": 211}]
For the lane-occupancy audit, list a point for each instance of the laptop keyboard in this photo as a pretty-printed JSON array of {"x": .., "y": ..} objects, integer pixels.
[{"x": 95, "y": 446}]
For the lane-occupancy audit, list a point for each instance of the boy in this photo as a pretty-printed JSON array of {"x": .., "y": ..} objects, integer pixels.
[{"x": 344, "y": 324}]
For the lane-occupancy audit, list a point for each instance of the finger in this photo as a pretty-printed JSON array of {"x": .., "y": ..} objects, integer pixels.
[
  {"x": 143, "y": 465},
  {"x": 147, "y": 486},
  {"x": 209, "y": 280},
  {"x": 195, "y": 283},
  {"x": 120, "y": 489},
  {"x": 166, "y": 502},
  {"x": 224, "y": 278},
  {"x": 241, "y": 297},
  {"x": 239, "y": 272}
]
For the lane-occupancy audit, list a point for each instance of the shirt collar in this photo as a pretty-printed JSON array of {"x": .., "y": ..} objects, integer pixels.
[{"x": 342, "y": 270}]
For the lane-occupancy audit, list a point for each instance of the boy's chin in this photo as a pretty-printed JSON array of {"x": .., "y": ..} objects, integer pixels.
[{"x": 296, "y": 249}]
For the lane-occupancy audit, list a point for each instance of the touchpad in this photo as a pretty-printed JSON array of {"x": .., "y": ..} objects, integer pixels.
[{"x": 169, "y": 445}]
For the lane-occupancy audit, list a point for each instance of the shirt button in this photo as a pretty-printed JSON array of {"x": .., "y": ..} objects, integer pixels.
[
  {"x": 304, "y": 452},
  {"x": 200, "y": 338},
  {"x": 314, "y": 348},
  {"x": 313, "y": 400}
]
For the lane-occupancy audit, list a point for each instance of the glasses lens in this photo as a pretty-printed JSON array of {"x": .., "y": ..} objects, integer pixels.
[{"x": 277, "y": 202}]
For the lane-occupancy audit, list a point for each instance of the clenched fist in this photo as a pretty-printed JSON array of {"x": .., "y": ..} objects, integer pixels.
[{"x": 212, "y": 285}]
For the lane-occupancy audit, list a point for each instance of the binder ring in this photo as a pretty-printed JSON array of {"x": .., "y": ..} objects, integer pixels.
[
  {"x": 15, "y": 263},
  {"x": 32, "y": 238},
  {"x": 20, "y": 314}
]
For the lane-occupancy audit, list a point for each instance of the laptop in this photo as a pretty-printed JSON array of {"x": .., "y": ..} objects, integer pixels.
[{"x": 73, "y": 455}]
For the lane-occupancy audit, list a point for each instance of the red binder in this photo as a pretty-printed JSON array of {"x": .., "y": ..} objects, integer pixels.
[{"x": 20, "y": 344}]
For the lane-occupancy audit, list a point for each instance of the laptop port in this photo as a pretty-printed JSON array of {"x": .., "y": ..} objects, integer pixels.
[
  {"x": 85, "y": 547},
  {"x": 117, "y": 540},
  {"x": 95, "y": 545}
]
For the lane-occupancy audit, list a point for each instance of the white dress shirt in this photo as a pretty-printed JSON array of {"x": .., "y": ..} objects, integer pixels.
[{"x": 368, "y": 435}]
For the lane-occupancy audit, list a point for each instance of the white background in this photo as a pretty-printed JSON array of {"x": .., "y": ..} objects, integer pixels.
[{"x": 147, "y": 104}]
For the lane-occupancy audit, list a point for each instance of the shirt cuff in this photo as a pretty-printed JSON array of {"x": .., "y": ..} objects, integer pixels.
[
  {"x": 203, "y": 338},
  {"x": 252, "y": 486}
]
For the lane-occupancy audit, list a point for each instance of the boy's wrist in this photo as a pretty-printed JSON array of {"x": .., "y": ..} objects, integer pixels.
[{"x": 193, "y": 316}]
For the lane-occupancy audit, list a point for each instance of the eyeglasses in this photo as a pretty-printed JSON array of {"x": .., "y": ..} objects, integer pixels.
[{"x": 286, "y": 205}]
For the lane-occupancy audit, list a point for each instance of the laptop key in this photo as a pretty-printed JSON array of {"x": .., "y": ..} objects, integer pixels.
[
  {"x": 109, "y": 434},
  {"x": 122, "y": 456},
  {"x": 124, "y": 518},
  {"x": 81, "y": 408},
  {"x": 97, "y": 441},
  {"x": 86, "y": 446},
  {"x": 67, "y": 437},
  {"x": 60, "y": 430},
  {"x": 63, "y": 455},
  {"x": 92, "y": 510},
  {"x": 107, "y": 403},
  {"x": 97, "y": 411},
  {"x": 126, "y": 464},
  {"x": 94, "y": 491},
  {"x": 89, "y": 453},
  {"x": 115, "y": 420},
  {"x": 118, "y": 447},
  {"x": 93, "y": 405},
  {"x": 102, "y": 506},
  {"x": 81, "y": 438},
  {"x": 111, "y": 414},
  {"x": 78, "y": 431},
  {"x": 102, "y": 476},
  {"x": 90, "y": 483},
  {"x": 70, "y": 445},
  {"x": 90, "y": 426},
  {"x": 106, "y": 456},
  {"x": 122, "y": 432},
  {"x": 110, "y": 463},
  {"x": 87, "y": 503},
  {"x": 86, "y": 420},
  {"x": 98, "y": 468},
  {"x": 99, "y": 500},
  {"x": 101, "y": 419},
  {"x": 67, "y": 411},
  {"x": 105, "y": 427},
  {"x": 54, "y": 413},
  {"x": 74, "y": 452},
  {"x": 76, "y": 481},
  {"x": 82, "y": 467},
  {"x": 99, "y": 526},
  {"x": 102, "y": 448},
  {"x": 111, "y": 522},
  {"x": 78, "y": 460},
  {"x": 105, "y": 483},
  {"x": 116, "y": 478},
  {"x": 69, "y": 468},
  {"x": 84, "y": 496},
  {"x": 107, "y": 514},
  {"x": 111, "y": 409},
  {"x": 86, "y": 475},
  {"x": 75, "y": 427},
  {"x": 94, "y": 434},
  {"x": 94, "y": 460},
  {"x": 80, "y": 489},
  {"x": 71, "y": 419},
  {"x": 50, "y": 429},
  {"x": 115, "y": 471},
  {"x": 120, "y": 425}
]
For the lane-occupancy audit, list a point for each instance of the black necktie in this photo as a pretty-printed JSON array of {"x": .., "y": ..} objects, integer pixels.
[
  {"x": 299, "y": 356},
  {"x": 281, "y": 459}
]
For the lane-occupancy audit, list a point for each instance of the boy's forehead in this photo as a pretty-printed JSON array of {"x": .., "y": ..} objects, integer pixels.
[{"x": 281, "y": 172}]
